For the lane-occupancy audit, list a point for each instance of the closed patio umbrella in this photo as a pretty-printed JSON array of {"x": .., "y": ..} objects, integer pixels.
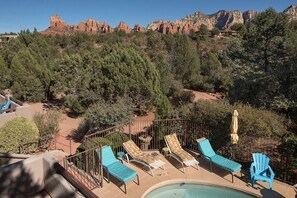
[{"x": 234, "y": 128}]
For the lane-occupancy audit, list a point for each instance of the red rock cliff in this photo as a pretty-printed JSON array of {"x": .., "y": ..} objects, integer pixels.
[{"x": 58, "y": 26}]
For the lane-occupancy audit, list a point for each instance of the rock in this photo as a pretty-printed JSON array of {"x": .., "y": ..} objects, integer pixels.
[
  {"x": 57, "y": 23},
  {"x": 291, "y": 12},
  {"x": 122, "y": 26},
  {"x": 138, "y": 28},
  {"x": 222, "y": 20},
  {"x": 58, "y": 26}
]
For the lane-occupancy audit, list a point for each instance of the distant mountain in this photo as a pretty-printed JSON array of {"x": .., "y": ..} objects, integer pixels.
[
  {"x": 58, "y": 26},
  {"x": 291, "y": 12},
  {"x": 222, "y": 20}
]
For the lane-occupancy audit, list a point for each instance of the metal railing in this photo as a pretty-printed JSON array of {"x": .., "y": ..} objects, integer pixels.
[
  {"x": 86, "y": 167},
  {"x": 62, "y": 143},
  {"x": 187, "y": 132},
  {"x": 84, "y": 190}
]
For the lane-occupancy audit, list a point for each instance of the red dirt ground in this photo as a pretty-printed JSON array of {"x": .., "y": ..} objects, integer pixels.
[
  {"x": 68, "y": 124},
  {"x": 204, "y": 95}
]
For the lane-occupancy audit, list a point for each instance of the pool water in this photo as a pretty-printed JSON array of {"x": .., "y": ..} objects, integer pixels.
[{"x": 188, "y": 190}]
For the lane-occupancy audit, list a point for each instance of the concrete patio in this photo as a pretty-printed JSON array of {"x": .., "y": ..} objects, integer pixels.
[{"x": 173, "y": 173}]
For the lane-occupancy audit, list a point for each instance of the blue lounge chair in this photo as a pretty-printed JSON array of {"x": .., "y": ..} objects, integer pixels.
[
  {"x": 259, "y": 169},
  {"x": 116, "y": 168},
  {"x": 6, "y": 106},
  {"x": 208, "y": 153}
]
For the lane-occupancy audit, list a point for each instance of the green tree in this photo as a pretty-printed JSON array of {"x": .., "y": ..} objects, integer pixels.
[
  {"x": 288, "y": 149},
  {"x": 26, "y": 74},
  {"x": 263, "y": 57},
  {"x": 215, "y": 76},
  {"x": 186, "y": 63},
  {"x": 4, "y": 75},
  {"x": 239, "y": 27},
  {"x": 203, "y": 32},
  {"x": 156, "y": 49},
  {"x": 215, "y": 31}
]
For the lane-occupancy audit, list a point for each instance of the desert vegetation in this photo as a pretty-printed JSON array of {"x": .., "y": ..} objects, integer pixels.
[{"x": 106, "y": 77}]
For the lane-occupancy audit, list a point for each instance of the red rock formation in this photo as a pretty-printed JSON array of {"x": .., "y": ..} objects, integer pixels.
[
  {"x": 122, "y": 26},
  {"x": 58, "y": 26},
  {"x": 138, "y": 28},
  {"x": 221, "y": 19},
  {"x": 105, "y": 28},
  {"x": 57, "y": 23}
]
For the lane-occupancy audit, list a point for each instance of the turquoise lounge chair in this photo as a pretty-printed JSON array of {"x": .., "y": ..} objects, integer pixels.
[
  {"x": 116, "y": 168},
  {"x": 259, "y": 169},
  {"x": 6, "y": 106},
  {"x": 208, "y": 153}
]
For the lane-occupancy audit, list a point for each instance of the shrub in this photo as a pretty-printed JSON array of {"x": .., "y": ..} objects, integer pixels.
[
  {"x": 253, "y": 123},
  {"x": 182, "y": 97},
  {"x": 17, "y": 130},
  {"x": 103, "y": 115},
  {"x": 117, "y": 139},
  {"x": 288, "y": 149},
  {"x": 94, "y": 143},
  {"x": 47, "y": 123}
]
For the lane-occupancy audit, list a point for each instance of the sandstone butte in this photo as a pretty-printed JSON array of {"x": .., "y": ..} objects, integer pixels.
[
  {"x": 222, "y": 20},
  {"x": 58, "y": 26}
]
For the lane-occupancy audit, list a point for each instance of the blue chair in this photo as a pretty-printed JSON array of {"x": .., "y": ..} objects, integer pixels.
[
  {"x": 6, "y": 106},
  {"x": 209, "y": 154},
  {"x": 116, "y": 168},
  {"x": 259, "y": 169}
]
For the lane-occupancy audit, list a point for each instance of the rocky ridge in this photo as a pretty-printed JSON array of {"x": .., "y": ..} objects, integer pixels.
[{"x": 222, "y": 20}]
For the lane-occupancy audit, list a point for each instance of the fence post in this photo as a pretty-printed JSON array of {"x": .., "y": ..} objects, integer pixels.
[
  {"x": 184, "y": 122},
  {"x": 100, "y": 165},
  {"x": 70, "y": 146},
  {"x": 87, "y": 162},
  {"x": 130, "y": 130},
  {"x": 55, "y": 142}
]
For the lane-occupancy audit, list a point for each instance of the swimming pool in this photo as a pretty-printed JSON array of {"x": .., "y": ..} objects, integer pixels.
[{"x": 192, "y": 190}]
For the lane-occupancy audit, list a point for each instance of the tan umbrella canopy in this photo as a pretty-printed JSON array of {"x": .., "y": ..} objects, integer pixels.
[{"x": 234, "y": 128}]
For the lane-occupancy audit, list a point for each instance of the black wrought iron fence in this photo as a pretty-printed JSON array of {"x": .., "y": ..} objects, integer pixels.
[
  {"x": 149, "y": 135},
  {"x": 86, "y": 167}
]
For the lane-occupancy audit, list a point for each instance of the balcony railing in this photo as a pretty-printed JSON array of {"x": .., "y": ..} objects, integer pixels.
[
  {"x": 86, "y": 167},
  {"x": 187, "y": 132}
]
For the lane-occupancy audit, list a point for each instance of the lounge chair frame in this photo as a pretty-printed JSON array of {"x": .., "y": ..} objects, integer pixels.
[
  {"x": 171, "y": 154},
  {"x": 211, "y": 166},
  {"x": 122, "y": 181},
  {"x": 139, "y": 161},
  {"x": 125, "y": 185}
]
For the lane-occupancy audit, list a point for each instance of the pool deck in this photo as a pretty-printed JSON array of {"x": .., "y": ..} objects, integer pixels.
[{"x": 173, "y": 172}]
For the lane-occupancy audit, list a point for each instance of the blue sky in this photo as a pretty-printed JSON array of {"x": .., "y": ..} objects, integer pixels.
[{"x": 16, "y": 15}]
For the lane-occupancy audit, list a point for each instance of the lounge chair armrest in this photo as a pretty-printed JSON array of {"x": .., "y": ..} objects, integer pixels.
[
  {"x": 105, "y": 168},
  {"x": 252, "y": 170},
  {"x": 208, "y": 158},
  {"x": 271, "y": 172}
]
